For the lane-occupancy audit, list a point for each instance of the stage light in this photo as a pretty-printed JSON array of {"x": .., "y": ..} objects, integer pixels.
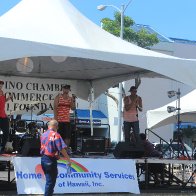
[
  {"x": 171, "y": 109},
  {"x": 171, "y": 94}
]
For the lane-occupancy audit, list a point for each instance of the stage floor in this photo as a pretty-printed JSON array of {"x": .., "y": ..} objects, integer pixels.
[{"x": 8, "y": 177}]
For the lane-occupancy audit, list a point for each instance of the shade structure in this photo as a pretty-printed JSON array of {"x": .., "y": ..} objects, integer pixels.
[
  {"x": 160, "y": 117},
  {"x": 47, "y": 28}
]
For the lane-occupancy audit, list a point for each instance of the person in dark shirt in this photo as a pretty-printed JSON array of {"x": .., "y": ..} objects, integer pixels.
[
  {"x": 149, "y": 149},
  {"x": 157, "y": 169},
  {"x": 51, "y": 145}
]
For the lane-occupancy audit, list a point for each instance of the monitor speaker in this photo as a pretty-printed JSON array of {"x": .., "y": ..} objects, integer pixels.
[
  {"x": 31, "y": 147},
  {"x": 93, "y": 145},
  {"x": 128, "y": 150}
]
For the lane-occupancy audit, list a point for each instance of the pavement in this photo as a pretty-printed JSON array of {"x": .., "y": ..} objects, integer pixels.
[{"x": 14, "y": 193}]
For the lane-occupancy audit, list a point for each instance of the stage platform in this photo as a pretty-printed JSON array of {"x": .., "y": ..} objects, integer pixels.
[
  {"x": 7, "y": 158},
  {"x": 183, "y": 179}
]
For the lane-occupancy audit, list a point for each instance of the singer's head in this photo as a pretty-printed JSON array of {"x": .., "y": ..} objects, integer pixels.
[
  {"x": 133, "y": 89},
  {"x": 66, "y": 88},
  {"x": 1, "y": 84}
]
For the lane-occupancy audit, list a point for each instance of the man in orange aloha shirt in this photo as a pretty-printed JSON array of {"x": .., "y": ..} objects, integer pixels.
[{"x": 63, "y": 103}]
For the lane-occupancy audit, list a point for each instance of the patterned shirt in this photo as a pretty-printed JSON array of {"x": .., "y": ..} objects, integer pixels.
[
  {"x": 2, "y": 106},
  {"x": 51, "y": 143},
  {"x": 63, "y": 109}
]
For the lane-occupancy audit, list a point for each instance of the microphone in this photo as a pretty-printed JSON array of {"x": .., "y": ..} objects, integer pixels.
[
  {"x": 10, "y": 97},
  {"x": 27, "y": 108},
  {"x": 74, "y": 96}
]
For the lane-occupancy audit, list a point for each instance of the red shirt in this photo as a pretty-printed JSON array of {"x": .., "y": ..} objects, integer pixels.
[
  {"x": 63, "y": 109},
  {"x": 2, "y": 106}
]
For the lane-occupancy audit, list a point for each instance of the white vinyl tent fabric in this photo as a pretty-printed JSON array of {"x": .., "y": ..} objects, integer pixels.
[
  {"x": 40, "y": 29},
  {"x": 160, "y": 117}
]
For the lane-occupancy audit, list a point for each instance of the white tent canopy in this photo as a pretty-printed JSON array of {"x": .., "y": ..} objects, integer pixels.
[
  {"x": 160, "y": 117},
  {"x": 43, "y": 28}
]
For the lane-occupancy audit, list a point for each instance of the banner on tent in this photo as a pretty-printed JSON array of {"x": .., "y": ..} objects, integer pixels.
[
  {"x": 32, "y": 93},
  {"x": 88, "y": 176}
]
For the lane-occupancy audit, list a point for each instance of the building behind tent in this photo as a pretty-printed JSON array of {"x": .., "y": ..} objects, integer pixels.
[{"x": 154, "y": 91}]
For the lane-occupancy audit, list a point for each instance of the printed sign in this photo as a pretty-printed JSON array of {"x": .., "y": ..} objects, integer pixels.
[
  {"x": 88, "y": 176},
  {"x": 31, "y": 94},
  {"x": 87, "y": 122}
]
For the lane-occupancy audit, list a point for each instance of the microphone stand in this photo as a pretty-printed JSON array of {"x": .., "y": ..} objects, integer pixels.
[
  {"x": 75, "y": 129},
  {"x": 30, "y": 108},
  {"x": 74, "y": 124},
  {"x": 180, "y": 142},
  {"x": 179, "y": 136}
]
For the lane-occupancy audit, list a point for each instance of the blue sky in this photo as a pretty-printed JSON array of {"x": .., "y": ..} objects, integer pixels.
[{"x": 171, "y": 18}]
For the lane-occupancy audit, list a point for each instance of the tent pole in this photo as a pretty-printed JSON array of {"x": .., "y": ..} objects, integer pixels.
[
  {"x": 120, "y": 113},
  {"x": 91, "y": 108},
  {"x": 178, "y": 125},
  {"x": 120, "y": 84}
]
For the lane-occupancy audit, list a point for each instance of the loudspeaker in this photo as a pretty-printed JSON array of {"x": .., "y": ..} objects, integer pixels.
[
  {"x": 93, "y": 145},
  {"x": 31, "y": 147},
  {"x": 128, "y": 150}
]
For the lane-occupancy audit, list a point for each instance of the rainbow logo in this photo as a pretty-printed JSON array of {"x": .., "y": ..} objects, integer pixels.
[{"x": 75, "y": 167}]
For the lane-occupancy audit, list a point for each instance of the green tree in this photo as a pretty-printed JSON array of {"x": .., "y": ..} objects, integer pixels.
[{"x": 141, "y": 38}]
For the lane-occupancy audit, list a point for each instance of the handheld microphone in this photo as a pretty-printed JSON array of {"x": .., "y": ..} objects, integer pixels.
[
  {"x": 74, "y": 96},
  {"x": 27, "y": 108},
  {"x": 11, "y": 97}
]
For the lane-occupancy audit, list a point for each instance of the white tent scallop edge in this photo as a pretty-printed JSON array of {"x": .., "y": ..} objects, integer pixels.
[
  {"x": 41, "y": 29},
  {"x": 160, "y": 117}
]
